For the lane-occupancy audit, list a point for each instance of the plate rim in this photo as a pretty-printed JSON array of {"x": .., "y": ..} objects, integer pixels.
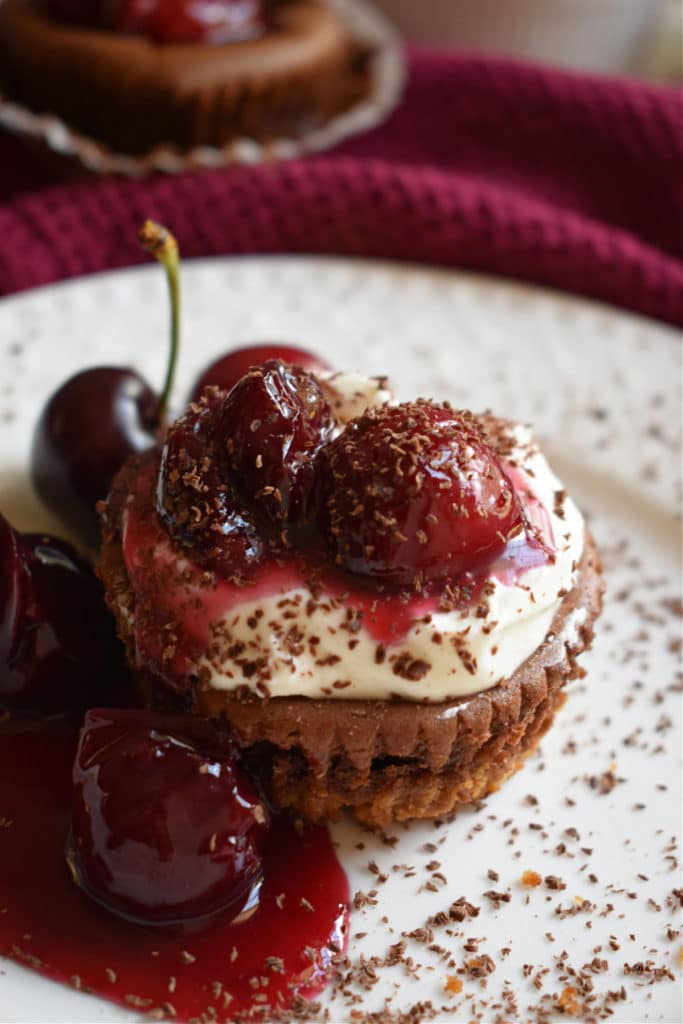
[{"x": 521, "y": 286}]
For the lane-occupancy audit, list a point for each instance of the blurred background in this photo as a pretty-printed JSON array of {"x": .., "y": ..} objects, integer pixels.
[{"x": 633, "y": 37}]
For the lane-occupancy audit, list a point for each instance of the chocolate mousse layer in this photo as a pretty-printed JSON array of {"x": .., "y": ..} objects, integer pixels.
[
  {"x": 383, "y": 760},
  {"x": 133, "y": 93}
]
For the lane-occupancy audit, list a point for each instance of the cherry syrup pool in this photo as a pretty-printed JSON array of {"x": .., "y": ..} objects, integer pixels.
[{"x": 230, "y": 969}]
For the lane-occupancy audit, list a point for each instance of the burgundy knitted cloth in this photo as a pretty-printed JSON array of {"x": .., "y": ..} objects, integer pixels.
[{"x": 566, "y": 180}]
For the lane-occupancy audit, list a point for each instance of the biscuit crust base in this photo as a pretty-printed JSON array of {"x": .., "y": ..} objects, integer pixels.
[{"x": 383, "y": 760}]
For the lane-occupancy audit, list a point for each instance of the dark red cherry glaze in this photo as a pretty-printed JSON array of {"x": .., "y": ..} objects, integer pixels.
[
  {"x": 269, "y": 429},
  {"x": 413, "y": 493},
  {"x": 195, "y": 499},
  {"x": 47, "y": 923},
  {"x": 87, "y": 430},
  {"x": 498, "y": 529},
  {"x": 228, "y": 369},
  {"x": 58, "y": 644},
  {"x": 165, "y": 825},
  {"x": 168, "y": 21},
  {"x": 171, "y": 591}
]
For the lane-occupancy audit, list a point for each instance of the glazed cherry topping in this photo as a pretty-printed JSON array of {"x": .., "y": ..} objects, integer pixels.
[
  {"x": 414, "y": 493},
  {"x": 58, "y": 644},
  {"x": 226, "y": 371},
  {"x": 195, "y": 501},
  {"x": 166, "y": 827},
  {"x": 167, "y": 21},
  {"x": 271, "y": 425}
]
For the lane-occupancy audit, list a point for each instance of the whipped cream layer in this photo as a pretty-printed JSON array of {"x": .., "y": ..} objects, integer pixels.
[
  {"x": 350, "y": 394},
  {"x": 311, "y": 647},
  {"x": 277, "y": 638},
  {"x": 316, "y": 648}
]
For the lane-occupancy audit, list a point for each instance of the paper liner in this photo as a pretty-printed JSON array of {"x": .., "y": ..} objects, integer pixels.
[{"x": 386, "y": 73}]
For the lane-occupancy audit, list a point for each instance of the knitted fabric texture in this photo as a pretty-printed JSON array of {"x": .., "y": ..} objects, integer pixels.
[{"x": 565, "y": 180}]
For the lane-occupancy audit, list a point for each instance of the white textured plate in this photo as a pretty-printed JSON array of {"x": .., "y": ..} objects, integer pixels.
[{"x": 603, "y": 389}]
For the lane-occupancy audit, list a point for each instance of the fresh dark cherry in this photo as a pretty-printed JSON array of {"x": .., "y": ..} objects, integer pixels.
[
  {"x": 100, "y": 417},
  {"x": 195, "y": 500},
  {"x": 58, "y": 645},
  {"x": 226, "y": 371},
  {"x": 414, "y": 493},
  {"x": 167, "y": 21},
  {"x": 87, "y": 430},
  {"x": 270, "y": 427},
  {"x": 165, "y": 828}
]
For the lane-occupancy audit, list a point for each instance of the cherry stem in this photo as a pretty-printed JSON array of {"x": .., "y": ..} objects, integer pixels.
[{"x": 158, "y": 240}]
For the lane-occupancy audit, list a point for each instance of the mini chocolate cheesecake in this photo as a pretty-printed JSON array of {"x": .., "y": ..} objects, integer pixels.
[
  {"x": 133, "y": 93},
  {"x": 386, "y": 618}
]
